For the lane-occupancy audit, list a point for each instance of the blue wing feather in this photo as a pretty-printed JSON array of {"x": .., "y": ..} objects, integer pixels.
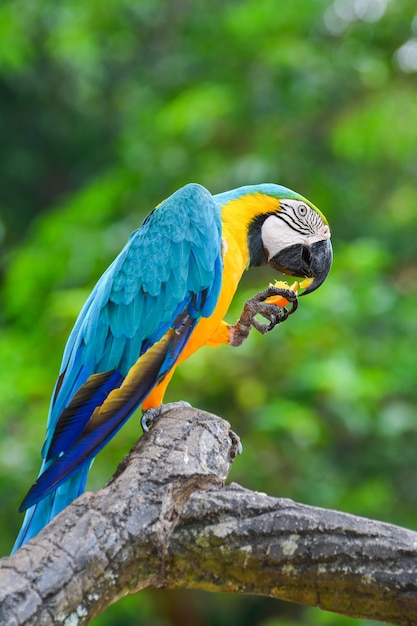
[
  {"x": 170, "y": 265},
  {"x": 98, "y": 431},
  {"x": 75, "y": 416}
]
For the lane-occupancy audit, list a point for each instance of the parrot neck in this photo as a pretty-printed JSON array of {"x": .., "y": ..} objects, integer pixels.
[{"x": 239, "y": 215}]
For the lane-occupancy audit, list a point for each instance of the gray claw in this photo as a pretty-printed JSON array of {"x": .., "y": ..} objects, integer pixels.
[
  {"x": 151, "y": 415},
  {"x": 272, "y": 312}
]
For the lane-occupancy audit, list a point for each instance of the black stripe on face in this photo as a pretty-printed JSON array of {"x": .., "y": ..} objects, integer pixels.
[
  {"x": 307, "y": 224},
  {"x": 294, "y": 223},
  {"x": 257, "y": 252}
]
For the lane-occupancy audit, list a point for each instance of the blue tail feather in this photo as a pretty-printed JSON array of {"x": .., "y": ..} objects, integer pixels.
[{"x": 46, "y": 509}]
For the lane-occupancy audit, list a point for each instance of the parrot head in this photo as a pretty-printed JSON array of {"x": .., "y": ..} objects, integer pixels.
[
  {"x": 293, "y": 239},
  {"x": 297, "y": 242}
]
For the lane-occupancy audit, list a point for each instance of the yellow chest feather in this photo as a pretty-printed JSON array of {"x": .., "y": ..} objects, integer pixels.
[{"x": 236, "y": 216}]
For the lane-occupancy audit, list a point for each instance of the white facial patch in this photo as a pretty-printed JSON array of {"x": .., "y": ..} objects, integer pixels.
[
  {"x": 276, "y": 235},
  {"x": 296, "y": 223}
]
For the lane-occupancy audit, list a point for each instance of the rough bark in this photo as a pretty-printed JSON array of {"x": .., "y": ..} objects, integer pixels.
[{"x": 167, "y": 520}]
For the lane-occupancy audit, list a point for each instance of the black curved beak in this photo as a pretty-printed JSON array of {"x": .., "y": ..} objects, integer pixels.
[{"x": 312, "y": 261}]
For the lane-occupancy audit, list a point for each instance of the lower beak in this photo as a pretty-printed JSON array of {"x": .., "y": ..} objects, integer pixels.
[{"x": 312, "y": 261}]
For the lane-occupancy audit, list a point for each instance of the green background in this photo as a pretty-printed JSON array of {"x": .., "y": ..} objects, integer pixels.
[{"x": 108, "y": 107}]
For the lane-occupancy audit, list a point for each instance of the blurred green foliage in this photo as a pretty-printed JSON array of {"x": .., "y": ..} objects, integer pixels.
[{"x": 108, "y": 107}]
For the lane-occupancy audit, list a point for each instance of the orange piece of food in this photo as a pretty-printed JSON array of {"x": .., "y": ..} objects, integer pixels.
[{"x": 281, "y": 284}]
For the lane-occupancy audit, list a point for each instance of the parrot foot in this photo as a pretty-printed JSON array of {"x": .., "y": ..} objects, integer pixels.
[
  {"x": 151, "y": 415},
  {"x": 257, "y": 306}
]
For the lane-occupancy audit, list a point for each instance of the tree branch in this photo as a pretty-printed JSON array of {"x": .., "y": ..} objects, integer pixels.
[{"x": 167, "y": 520}]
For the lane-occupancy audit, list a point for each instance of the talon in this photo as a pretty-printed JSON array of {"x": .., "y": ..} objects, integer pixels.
[
  {"x": 265, "y": 303},
  {"x": 151, "y": 415},
  {"x": 259, "y": 305}
]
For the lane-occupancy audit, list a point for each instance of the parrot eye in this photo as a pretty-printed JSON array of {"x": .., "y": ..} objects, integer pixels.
[{"x": 302, "y": 210}]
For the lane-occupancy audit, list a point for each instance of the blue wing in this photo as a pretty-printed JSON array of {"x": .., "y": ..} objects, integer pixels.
[{"x": 128, "y": 335}]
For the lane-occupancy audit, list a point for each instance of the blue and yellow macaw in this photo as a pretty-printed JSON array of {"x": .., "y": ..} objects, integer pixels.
[{"x": 164, "y": 297}]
